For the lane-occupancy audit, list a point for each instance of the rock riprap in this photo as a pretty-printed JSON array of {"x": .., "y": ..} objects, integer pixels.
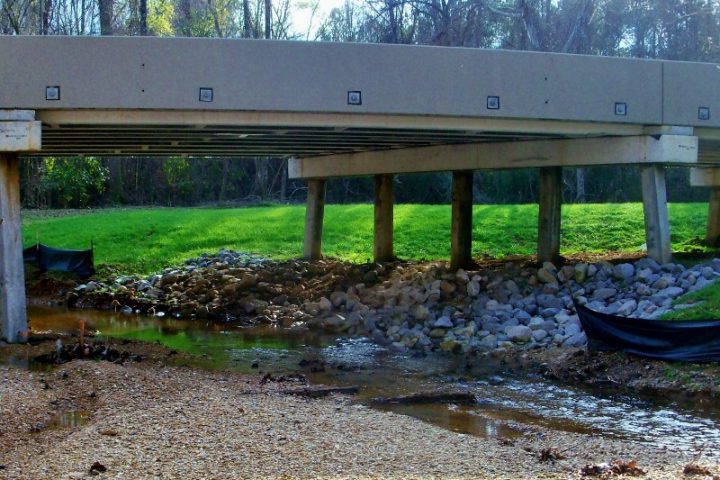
[{"x": 418, "y": 306}]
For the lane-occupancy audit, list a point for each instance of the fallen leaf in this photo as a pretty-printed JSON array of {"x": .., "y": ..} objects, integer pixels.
[
  {"x": 695, "y": 469},
  {"x": 97, "y": 468},
  {"x": 550, "y": 454},
  {"x": 627, "y": 468}
]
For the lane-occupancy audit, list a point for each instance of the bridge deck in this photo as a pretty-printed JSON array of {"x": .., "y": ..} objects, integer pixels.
[{"x": 154, "y": 96}]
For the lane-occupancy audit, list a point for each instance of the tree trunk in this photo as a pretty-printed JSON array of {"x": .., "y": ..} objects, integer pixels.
[
  {"x": 186, "y": 15},
  {"x": 268, "y": 19},
  {"x": 261, "y": 177},
  {"x": 46, "y": 11},
  {"x": 115, "y": 174},
  {"x": 580, "y": 185},
  {"x": 223, "y": 182},
  {"x": 283, "y": 181},
  {"x": 106, "y": 11},
  {"x": 143, "y": 18},
  {"x": 247, "y": 26}
]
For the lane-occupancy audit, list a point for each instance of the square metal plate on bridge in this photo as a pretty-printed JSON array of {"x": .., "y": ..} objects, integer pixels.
[
  {"x": 52, "y": 93},
  {"x": 206, "y": 94},
  {"x": 354, "y": 97},
  {"x": 621, "y": 109},
  {"x": 493, "y": 102},
  {"x": 703, "y": 113}
]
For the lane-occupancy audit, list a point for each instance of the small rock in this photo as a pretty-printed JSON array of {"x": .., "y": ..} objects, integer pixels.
[
  {"x": 546, "y": 276},
  {"x": 648, "y": 263},
  {"x": 581, "y": 270},
  {"x": 550, "y": 267},
  {"x": 490, "y": 341},
  {"x": 708, "y": 273},
  {"x": 461, "y": 276},
  {"x": 567, "y": 273},
  {"x": 449, "y": 345},
  {"x": 572, "y": 329},
  {"x": 550, "y": 301},
  {"x": 627, "y": 308},
  {"x": 623, "y": 271},
  {"x": 337, "y": 298},
  {"x": 577, "y": 340},
  {"x": 539, "y": 335},
  {"x": 604, "y": 293},
  {"x": 670, "y": 292},
  {"x": 473, "y": 288},
  {"x": 447, "y": 287},
  {"x": 443, "y": 322},
  {"x": 421, "y": 312},
  {"x": 519, "y": 333}
]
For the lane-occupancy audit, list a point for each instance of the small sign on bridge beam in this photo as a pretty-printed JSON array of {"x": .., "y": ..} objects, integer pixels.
[{"x": 19, "y": 132}]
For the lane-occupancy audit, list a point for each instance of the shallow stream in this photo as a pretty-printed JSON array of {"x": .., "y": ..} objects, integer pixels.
[{"x": 507, "y": 403}]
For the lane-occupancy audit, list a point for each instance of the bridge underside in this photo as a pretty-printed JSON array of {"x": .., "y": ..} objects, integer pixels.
[
  {"x": 250, "y": 134},
  {"x": 351, "y": 109}
]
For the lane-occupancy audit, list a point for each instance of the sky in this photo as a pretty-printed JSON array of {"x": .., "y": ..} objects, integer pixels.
[{"x": 302, "y": 18}]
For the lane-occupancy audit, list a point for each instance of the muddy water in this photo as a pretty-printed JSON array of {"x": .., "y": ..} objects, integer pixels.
[{"x": 507, "y": 403}]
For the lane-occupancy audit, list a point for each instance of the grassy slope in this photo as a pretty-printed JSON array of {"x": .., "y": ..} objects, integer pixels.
[{"x": 144, "y": 240}]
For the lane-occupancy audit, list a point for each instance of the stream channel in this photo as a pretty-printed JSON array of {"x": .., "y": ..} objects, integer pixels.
[{"x": 507, "y": 402}]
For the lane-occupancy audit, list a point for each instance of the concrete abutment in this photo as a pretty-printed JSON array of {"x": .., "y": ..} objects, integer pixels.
[{"x": 13, "y": 315}]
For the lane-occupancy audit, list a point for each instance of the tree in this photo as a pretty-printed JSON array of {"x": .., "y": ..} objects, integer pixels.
[{"x": 74, "y": 181}]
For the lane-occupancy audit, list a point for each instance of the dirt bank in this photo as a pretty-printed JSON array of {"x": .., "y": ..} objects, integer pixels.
[{"x": 150, "y": 420}]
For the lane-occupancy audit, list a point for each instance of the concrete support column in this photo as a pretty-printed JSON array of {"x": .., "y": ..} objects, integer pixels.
[
  {"x": 314, "y": 213},
  {"x": 657, "y": 225},
  {"x": 549, "y": 215},
  {"x": 13, "y": 314},
  {"x": 383, "y": 250},
  {"x": 712, "y": 238},
  {"x": 461, "y": 225}
]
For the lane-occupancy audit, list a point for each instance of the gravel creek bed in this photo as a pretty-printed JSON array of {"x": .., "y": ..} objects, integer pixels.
[{"x": 147, "y": 420}]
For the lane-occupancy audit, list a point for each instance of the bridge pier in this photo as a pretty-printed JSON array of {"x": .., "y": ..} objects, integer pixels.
[
  {"x": 13, "y": 316},
  {"x": 710, "y": 177},
  {"x": 314, "y": 214},
  {"x": 383, "y": 245},
  {"x": 461, "y": 223},
  {"x": 19, "y": 132},
  {"x": 712, "y": 236},
  {"x": 548, "y": 249},
  {"x": 657, "y": 226}
]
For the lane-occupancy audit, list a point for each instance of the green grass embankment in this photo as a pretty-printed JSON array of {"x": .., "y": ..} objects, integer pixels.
[{"x": 143, "y": 240}]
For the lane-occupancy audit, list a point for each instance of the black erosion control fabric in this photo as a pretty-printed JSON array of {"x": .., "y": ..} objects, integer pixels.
[
  {"x": 696, "y": 341},
  {"x": 47, "y": 258}
]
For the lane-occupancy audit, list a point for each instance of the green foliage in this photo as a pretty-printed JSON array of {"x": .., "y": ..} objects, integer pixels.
[
  {"x": 145, "y": 240},
  {"x": 161, "y": 14},
  {"x": 74, "y": 180},
  {"x": 706, "y": 305},
  {"x": 178, "y": 176}
]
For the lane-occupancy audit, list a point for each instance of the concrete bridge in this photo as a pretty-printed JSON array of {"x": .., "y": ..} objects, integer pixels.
[{"x": 355, "y": 109}]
